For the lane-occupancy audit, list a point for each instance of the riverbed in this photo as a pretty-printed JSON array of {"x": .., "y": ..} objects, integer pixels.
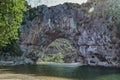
[{"x": 57, "y": 71}]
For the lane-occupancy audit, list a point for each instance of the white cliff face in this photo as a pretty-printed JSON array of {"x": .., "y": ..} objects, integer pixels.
[{"x": 35, "y": 3}]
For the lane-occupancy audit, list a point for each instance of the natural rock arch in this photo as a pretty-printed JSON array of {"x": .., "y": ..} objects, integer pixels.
[{"x": 84, "y": 25}]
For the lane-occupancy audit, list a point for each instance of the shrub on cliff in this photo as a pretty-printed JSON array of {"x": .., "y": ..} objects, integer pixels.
[{"x": 11, "y": 13}]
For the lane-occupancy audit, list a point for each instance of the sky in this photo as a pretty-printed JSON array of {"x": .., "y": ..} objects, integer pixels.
[{"x": 49, "y": 3}]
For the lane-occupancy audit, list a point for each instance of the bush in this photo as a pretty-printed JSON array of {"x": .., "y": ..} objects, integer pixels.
[
  {"x": 58, "y": 58},
  {"x": 11, "y": 49}
]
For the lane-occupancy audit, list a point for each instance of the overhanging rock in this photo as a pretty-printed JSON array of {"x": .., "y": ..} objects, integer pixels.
[{"x": 86, "y": 26}]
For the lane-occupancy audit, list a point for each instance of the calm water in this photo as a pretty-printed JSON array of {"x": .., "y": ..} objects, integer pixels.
[{"x": 58, "y": 72}]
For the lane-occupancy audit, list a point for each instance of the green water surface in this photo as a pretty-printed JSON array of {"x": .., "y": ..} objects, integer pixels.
[{"x": 53, "y": 71}]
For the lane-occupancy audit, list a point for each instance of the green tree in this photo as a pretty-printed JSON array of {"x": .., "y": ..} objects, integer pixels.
[{"x": 11, "y": 13}]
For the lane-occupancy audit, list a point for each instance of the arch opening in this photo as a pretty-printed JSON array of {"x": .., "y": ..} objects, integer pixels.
[{"x": 60, "y": 50}]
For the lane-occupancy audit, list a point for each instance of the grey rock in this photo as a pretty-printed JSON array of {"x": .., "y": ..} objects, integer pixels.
[{"x": 91, "y": 33}]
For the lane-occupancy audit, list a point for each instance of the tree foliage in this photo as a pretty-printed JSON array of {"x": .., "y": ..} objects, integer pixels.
[
  {"x": 62, "y": 45},
  {"x": 11, "y": 49},
  {"x": 11, "y": 13}
]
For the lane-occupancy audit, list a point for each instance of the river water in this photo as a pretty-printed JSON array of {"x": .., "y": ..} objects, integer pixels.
[{"x": 54, "y": 71}]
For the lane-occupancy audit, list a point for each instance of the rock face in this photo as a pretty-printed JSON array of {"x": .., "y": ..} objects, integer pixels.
[{"x": 86, "y": 26}]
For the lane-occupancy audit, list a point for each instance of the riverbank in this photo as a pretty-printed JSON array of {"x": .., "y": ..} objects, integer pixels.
[
  {"x": 16, "y": 61},
  {"x": 28, "y": 77},
  {"x": 20, "y": 61},
  {"x": 61, "y": 64}
]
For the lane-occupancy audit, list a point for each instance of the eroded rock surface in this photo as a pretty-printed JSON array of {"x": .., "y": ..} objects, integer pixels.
[{"x": 91, "y": 32}]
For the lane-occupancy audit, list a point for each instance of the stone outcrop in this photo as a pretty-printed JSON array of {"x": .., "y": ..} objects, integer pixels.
[{"x": 91, "y": 32}]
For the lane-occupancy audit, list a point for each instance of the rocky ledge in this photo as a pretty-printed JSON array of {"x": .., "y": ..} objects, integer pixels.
[{"x": 87, "y": 26}]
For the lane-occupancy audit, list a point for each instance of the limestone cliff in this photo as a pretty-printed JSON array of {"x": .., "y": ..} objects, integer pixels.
[{"x": 87, "y": 26}]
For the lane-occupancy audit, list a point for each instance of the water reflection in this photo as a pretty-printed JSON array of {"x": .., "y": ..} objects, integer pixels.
[{"x": 65, "y": 71}]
